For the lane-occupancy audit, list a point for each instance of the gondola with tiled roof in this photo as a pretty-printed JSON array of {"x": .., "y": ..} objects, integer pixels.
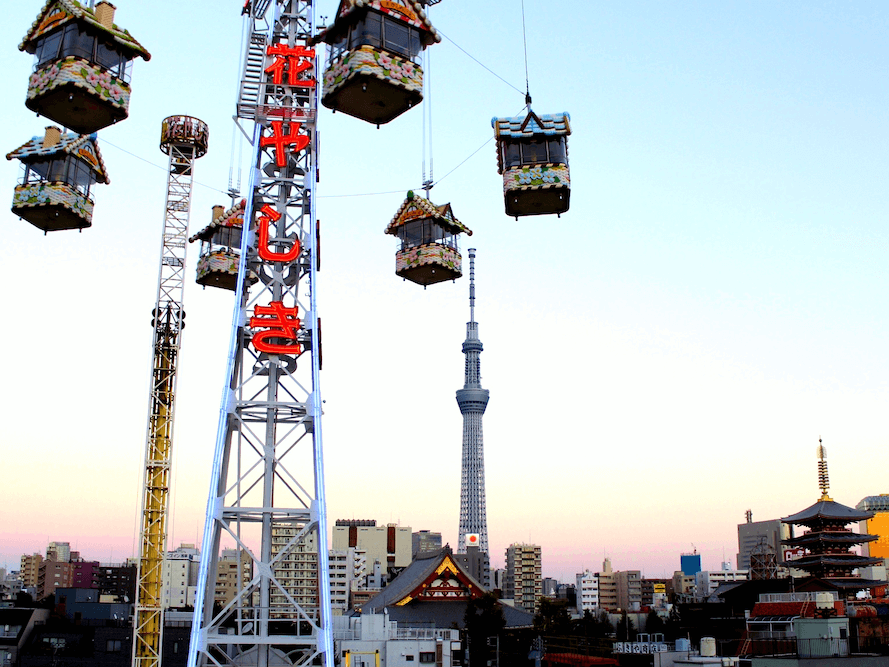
[
  {"x": 83, "y": 64},
  {"x": 532, "y": 157},
  {"x": 429, "y": 252},
  {"x": 221, "y": 248},
  {"x": 373, "y": 70},
  {"x": 59, "y": 170}
]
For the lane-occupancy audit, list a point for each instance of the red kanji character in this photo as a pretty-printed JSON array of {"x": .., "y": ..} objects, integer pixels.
[
  {"x": 280, "y": 141},
  {"x": 294, "y": 58},
  {"x": 283, "y": 323},
  {"x": 266, "y": 253}
]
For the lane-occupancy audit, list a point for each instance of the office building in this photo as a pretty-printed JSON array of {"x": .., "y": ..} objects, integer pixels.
[
  {"x": 390, "y": 545},
  {"x": 425, "y": 541},
  {"x": 690, "y": 564},
  {"x": 877, "y": 525},
  {"x": 753, "y": 534},
  {"x": 180, "y": 576}
]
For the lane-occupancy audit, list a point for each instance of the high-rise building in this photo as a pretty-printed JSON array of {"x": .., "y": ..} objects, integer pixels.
[
  {"x": 877, "y": 525},
  {"x": 629, "y": 590},
  {"x": 607, "y": 587},
  {"x": 473, "y": 400},
  {"x": 477, "y": 564},
  {"x": 523, "y": 581},
  {"x": 297, "y": 571},
  {"x": 347, "y": 574},
  {"x": 52, "y": 575},
  {"x": 180, "y": 576},
  {"x": 59, "y": 552},
  {"x": 234, "y": 570},
  {"x": 29, "y": 568},
  {"x": 755, "y": 533}
]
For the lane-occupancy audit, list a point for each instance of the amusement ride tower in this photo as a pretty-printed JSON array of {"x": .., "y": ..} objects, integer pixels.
[
  {"x": 267, "y": 494},
  {"x": 472, "y": 400}
]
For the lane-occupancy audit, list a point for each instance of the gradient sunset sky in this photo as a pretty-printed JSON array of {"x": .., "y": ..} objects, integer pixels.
[{"x": 660, "y": 359}]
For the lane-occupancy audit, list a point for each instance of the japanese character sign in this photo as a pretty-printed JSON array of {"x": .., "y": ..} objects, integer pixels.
[
  {"x": 294, "y": 59},
  {"x": 281, "y": 141},
  {"x": 275, "y": 322},
  {"x": 270, "y": 215}
]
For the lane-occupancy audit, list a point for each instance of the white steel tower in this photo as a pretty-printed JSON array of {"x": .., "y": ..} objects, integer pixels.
[
  {"x": 267, "y": 487},
  {"x": 472, "y": 400},
  {"x": 183, "y": 139}
]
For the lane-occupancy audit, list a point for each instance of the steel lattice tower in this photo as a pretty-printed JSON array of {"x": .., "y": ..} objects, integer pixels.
[
  {"x": 267, "y": 489},
  {"x": 183, "y": 139},
  {"x": 472, "y": 400}
]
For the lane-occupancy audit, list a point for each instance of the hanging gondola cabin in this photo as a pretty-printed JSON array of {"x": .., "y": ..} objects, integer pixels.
[
  {"x": 59, "y": 171},
  {"x": 373, "y": 70},
  {"x": 221, "y": 248},
  {"x": 83, "y": 64},
  {"x": 532, "y": 156},
  {"x": 429, "y": 253}
]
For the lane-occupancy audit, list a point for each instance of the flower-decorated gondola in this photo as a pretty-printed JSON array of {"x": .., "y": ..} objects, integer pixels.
[
  {"x": 373, "y": 71},
  {"x": 83, "y": 64},
  {"x": 59, "y": 170},
  {"x": 221, "y": 247},
  {"x": 532, "y": 156},
  {"x": 429, "y": 253}
]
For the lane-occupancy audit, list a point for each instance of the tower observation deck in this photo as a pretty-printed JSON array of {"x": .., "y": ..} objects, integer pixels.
[{"x": 472, "y": 400}]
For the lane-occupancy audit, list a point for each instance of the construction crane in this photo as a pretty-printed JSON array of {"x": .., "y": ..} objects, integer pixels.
[{"x": 183, "y": 139}]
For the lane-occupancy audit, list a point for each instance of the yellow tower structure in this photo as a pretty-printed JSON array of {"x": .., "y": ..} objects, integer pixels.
[{"x": 183, "y": 139}]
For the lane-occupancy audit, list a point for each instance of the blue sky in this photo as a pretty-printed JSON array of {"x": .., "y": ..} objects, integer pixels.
[{"x": 661, "y": 358}]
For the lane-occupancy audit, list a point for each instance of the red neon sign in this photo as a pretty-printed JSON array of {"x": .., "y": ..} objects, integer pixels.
[
  {"x": 269, "y": 216},
  {"x": 294, "y": 60},
  {"x": 280, "y": 141},
  {"x": 281, "y": 323}
]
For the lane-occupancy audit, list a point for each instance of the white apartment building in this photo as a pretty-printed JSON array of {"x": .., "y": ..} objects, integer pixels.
[
  {"x": 180, "y": 576},
  {"x": 348, "y": 569},
  {"x": 587, "y": 590}
]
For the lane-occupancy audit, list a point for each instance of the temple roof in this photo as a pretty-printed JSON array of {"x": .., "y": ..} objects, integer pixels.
[
  {"x": 415, "y": 207},
  {"x": 83, "y": 146},
  {"x": 834, "y": 538},
  {"x": 409, "y": 11},
  {"x": 532, "y": 124},
  {"x": 429, "y": 573},
  {"x": 233, "y": 217},
  {"x": 827, "y": 509},
  {"x": 842, "y": 560},
  {"x": 56, "y": 13}
]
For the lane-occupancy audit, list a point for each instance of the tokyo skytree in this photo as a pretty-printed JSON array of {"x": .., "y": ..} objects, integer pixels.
[{"x": 472, "y": 400}]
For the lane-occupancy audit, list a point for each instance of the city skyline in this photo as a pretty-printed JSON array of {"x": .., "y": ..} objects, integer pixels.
[{"x": 707, "y": 308}]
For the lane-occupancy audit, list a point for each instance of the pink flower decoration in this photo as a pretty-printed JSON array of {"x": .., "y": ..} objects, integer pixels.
[{"x": 385, "y": 61}]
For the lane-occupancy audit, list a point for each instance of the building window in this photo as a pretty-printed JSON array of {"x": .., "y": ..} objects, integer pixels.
[
  {"x": 409, "y": 658},
  {"x": 113, "y": 646},
  {"x": 427, "y": 657}
]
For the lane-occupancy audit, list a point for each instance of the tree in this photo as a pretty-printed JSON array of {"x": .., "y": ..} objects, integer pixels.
[
  {"x": 552, "y": 618},
  {"x": 626, "y": 631},
  {"x": 483, "y": 619},
  {"x": 654, "y": 623}
]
